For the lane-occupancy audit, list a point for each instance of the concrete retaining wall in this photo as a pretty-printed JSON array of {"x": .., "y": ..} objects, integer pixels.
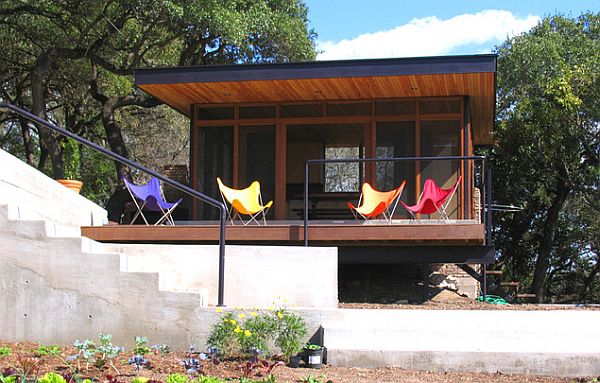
[
  {"x": 254, "y": 275},
  {"x": 33, "y": 195}
]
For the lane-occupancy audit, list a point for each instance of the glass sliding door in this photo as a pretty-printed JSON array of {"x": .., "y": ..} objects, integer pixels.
[
  {"x": 215, "y": 159},
  {"x": 256, "y": 159},
  {"x": 439, "y": 139},
  {"x": 393, "y": 140}
]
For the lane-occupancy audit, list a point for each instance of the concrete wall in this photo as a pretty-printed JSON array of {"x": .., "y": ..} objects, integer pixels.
[
  {"x": 553, "y": 342},
  {"x": 52, "y": 292},
  {"x": 33, "y": 195},
  {"x": 254, "y": 275}
]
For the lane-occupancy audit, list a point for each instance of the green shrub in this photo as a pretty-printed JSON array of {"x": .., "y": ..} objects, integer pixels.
[
  {"x": 258, "y": 331},
  {"x": 5, "y": 351}
]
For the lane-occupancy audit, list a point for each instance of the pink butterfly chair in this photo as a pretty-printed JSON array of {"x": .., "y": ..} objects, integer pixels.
[{"x": 433, "y": 199}]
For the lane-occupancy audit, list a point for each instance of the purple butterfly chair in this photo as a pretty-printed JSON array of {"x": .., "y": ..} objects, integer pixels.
[{"x": 149, "y": 197}]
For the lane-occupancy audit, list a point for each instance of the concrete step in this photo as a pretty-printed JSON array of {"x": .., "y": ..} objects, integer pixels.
[{"x": 494, "y": 340}]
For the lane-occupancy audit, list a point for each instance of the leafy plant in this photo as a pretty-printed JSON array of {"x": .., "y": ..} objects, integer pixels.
[
  {"x": 266, "y": 330},
  {"x": 291, "y": 332},
  {"x": 5, "y": 351},
  {"x": 99, "y": 355},
  {"x": 138, "y": 361},
  {"x": 209, "y": 379},
  {"x": 312, "y": 379},
  {"x": 161, "y": 349},
  {"x": 52, "y": 377},
  {"x": 177, "y": 378},
  {"x": 139, "y": 379},
  {"x": 311, "y": 346},
  {"x": 140, "y": 346},
  {"x": 44, "y": 350}
]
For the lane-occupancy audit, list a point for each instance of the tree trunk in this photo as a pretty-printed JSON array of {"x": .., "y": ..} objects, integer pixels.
[
  {"x": 549, "y": 232},
  {"x": 47, "y": 139},
  {"x": 114, "y": 136},
  {"x": 27, "y": 142}
]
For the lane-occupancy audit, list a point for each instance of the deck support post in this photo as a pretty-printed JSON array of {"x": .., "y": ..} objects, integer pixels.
[
  {"x": 426, "y": 272},
  {"x": 484, "y": 281}
]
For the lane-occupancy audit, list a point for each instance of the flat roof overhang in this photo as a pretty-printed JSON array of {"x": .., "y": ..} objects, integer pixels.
[{"x": 473, "y": 76}]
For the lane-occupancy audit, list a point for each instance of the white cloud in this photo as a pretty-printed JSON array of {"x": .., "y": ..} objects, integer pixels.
[{"x": 430, "y": 36}]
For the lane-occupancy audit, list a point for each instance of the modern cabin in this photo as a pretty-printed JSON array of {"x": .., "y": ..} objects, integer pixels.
[{"x": 265, "y": 122}]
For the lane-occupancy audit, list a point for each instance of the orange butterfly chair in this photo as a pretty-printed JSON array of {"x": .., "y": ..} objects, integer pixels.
[
  {"x": 373, "y": 203},
  {"x": 246, "y": 201}
]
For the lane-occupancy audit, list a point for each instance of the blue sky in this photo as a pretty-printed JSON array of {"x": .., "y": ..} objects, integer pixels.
[{"x": 351, "y": 29}]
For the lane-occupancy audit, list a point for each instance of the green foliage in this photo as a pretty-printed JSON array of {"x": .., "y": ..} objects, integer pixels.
[
  {"x": 547, "y": 157},
  {"x": 44, "y": 350},
  {"x": 209, "y": 379},
  {"x": 258, "y": 331},
  {"x": 177, "y": 378},
  {"x": 85, "y": 43},
  {"x": 140, "y": 346},
  {"x": 5, "y": 351},
  {"x": 139, "y": 379},
  {"x": 52, "y": 377},
  {"x": 313, "y": 379},
  {"x": 9, "y": 379},
  {"x": 98, "y": 355}
]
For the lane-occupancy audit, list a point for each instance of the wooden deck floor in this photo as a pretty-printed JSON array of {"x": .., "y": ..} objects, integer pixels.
[{"x": 293, "y": 234}]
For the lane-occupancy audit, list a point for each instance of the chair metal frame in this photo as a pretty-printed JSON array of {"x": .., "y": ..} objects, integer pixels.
[
  {"x": 237, "y": 208},
  {"x": 164, "y": 207},
  {"x": 387, "y": 214},
  {"x": 440, "y": 206}
]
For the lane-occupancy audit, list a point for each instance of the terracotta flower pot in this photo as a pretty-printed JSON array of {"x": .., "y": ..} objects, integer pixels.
[{"x": 72, "y": 184}]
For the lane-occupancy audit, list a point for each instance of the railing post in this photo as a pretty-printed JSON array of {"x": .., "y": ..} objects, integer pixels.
[
  {"x": 488, "y": 207},
  {"x": 221, "y": 292},
  {"x": 306, "y": 204}
]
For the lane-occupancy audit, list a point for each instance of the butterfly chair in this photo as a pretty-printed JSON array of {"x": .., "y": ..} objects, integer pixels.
[
  {"x": 246, "y": 201},
  {"x": 433, "y": 199},
  {"x": 149, "y": 197},
  {"x": 373, "y": 203}
]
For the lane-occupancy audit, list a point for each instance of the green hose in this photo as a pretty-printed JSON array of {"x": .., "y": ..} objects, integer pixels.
[{"x": 493, "y": 299}]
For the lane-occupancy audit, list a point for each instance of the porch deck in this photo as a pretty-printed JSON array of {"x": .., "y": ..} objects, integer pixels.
[{"x": 323, "y": 233}]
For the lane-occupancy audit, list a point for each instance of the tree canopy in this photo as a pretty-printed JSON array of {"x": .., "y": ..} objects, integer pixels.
[
  {"x": 72, "y": 62},
  {"x": 547, "y": 156}
]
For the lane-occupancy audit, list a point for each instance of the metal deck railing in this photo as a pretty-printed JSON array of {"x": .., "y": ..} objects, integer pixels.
[{"x": 195, "y": 194}]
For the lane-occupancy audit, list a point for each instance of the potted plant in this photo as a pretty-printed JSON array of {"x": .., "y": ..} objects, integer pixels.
[
  {"x": 71, "y": 156},
  {"x": 313, "y": 355}
]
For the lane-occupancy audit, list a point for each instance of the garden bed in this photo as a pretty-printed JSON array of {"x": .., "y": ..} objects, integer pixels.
[{"x": 161, "y": 365}]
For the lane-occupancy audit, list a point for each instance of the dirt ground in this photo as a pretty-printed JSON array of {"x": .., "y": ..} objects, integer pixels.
[{"x": 161, "y": 366}]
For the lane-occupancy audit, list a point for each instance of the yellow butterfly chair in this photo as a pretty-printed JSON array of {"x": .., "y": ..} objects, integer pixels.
[
  {"x": 246, "y": 201},
  {"x": 373, "y": 203}
]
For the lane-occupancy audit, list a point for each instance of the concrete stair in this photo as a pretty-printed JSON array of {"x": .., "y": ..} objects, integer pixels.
[{"x": 563, "y": 343}]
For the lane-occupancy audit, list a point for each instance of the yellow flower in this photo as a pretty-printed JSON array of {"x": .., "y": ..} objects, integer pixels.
[
  {"x": 279, "y": 315},
  {"x": 254, "y": 314},
  {"x": 237, "y": 329},
  {"x": 219, "y": 310},
  {"x": 271, "y": 308},
  {"x": 285, "y": 301},
  {"x": 247, "y": 333},
  {"x": 232, "y": 321},
  {"x": 236, "y": 307},
  {"x": 241, "y": 316}
]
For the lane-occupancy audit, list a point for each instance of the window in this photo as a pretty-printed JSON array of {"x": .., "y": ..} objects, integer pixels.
[{"x": 345, "y": 176}]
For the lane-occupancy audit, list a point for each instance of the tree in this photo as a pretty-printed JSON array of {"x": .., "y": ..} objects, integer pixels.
[
  {"x": 73, "y": 62},
  {"x": 547, "y": 156}
]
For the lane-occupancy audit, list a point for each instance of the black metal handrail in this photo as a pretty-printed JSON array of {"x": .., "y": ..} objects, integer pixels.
[
  {"x": 486, "y": 180},
  {"x": 204, "y": 198}
]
